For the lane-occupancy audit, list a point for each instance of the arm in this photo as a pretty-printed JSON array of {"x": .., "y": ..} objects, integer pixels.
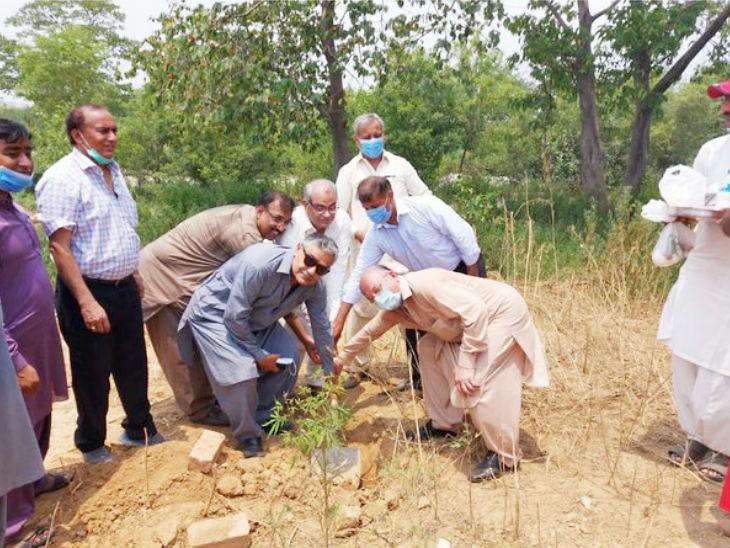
[
  {"x": 372, "y": 331},
  {"x": 335, "y": 280},
  {"x": 414, "y": 185},
  {"x": 293, "y": 321},
  {"x": 28, "y": 379},
  {"x": 459, "y": 231},
  {"x": 317, "y": 309},
  {"x": 93, "y": 314}
]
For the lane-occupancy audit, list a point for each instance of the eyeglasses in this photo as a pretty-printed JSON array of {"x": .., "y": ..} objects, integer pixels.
[
  {"x": 310, "y": 261},
  {"x": 319, "y": 208},
  {"x": 278, "y": 219}
]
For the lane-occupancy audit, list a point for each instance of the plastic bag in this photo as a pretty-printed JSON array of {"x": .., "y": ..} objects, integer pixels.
[{"x": 674, "y": 242}]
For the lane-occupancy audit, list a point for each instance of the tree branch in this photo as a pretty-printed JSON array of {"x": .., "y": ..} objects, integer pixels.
[
  {"x": 676, "y": 70},
  {"x": 603, "y": 11},
  {"x": 553, "y": 9}
]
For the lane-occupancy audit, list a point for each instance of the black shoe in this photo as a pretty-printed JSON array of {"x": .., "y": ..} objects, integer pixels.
[
  {"x": 251, "y": 447},
  {"x": 405, "y": 385},
  {"x": 428, "y": 432},
  {"x": 488, "y": 469},
  {"x": 214, "y": 417}
]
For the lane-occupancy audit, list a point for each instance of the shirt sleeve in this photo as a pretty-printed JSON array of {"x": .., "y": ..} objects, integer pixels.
[
  {"x": 370, "y": 254},
  {"x": 414, "y": 185},
  {"x": 452, "y": 225},
  {"x": 372, "y": 331},
  {"x": 344, "y": 189},
  {"x": 336, "y": 277},
  {"x": 321, "y": 329},
  {"x": 58, "y": 202},
  {"x": 249, "y": 284},
  {"x": 17, "y": 358}
]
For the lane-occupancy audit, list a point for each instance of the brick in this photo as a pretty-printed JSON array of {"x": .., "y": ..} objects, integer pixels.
[
  {"x": 231, "y": 531},
  {"x": 206, "y": 451},
  {"x": 344, "y": 465}
]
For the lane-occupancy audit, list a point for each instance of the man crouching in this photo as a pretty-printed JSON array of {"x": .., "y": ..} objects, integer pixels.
[
  {"x": 233, "y": 317},
  {"x": 481, "y": 344}
]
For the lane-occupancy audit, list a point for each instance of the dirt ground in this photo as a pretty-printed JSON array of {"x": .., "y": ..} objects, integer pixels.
[{"x": 594, "y": 473}]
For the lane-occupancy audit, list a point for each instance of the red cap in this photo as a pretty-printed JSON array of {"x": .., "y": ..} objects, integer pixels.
[{"x": 719, "y": 90}]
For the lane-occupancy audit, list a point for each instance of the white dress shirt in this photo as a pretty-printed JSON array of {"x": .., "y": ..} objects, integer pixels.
[
  {"x": 340, "y": 231},
  {"x": 429, "y": 234},
  {"x": 72, "y": 194},
  {"x": 401, "y": 174}
]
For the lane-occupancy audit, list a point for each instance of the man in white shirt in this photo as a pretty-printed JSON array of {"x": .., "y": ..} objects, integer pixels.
[
  {"x": 694, "y": 323},
  {"x": 419, "y": 232},
  {"x": 318, "y": 213},
  {"x": 373, "y": 159}
]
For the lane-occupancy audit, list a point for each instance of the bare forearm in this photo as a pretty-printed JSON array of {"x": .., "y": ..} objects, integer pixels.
[
  {"x": 70, "y": 273},
  {"x": 297, "y": 327}
]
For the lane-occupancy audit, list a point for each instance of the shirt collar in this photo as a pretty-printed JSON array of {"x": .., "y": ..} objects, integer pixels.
[
  {"x": 403, "y": 209},
  {"x": 286, "y": 260},
  {"x": 386, "y": 158},
  {"x": 405, "y": 288},
  {"x": 85, "y": 162}
]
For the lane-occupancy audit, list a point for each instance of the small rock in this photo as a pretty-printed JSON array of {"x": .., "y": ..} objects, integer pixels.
[
  {"x": 166, "y": 531},
  {"x": 587, "y": 502},
  {"x": 230, "y": 485},
  {"x": 344, "y": 465},
  {"x": 231, "y": 531},
  {"x": 423, "y": 502}
]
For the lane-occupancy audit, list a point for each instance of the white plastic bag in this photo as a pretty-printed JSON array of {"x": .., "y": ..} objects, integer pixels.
[{"x": 674, "y": 242}]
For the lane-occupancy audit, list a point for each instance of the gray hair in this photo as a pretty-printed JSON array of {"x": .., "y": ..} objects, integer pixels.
[
  {"x": 318, "y": 184},
  {"x": 325, "y": 243},
  {"x": 365, "y": 119}
]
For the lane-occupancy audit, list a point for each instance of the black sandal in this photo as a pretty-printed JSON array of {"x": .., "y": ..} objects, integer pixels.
[
  {"x": 714, "y": 467},
  {"x": 690, "y": 452}
]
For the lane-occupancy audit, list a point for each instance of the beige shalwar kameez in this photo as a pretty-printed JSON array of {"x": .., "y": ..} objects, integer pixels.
[
  {"x": 472, "y": 323},
  {"x": 172, "y": 267}
]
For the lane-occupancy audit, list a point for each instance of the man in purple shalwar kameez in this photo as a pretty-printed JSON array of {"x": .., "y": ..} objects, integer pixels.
[{"x": 29, "y": 321}]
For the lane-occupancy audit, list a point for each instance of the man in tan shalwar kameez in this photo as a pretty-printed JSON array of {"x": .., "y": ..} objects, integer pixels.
[
  {"x": 176, "y": 263},
  {"x": 481, "y": 344}
]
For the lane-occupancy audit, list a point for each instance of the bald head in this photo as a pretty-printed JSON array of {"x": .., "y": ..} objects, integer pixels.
[{"x": 372, "y": 280}]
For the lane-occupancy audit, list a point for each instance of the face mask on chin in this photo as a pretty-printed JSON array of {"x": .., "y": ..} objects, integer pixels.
[
  {"x": 14, "y": 181},
  {"x": 94, "y": 154},
  {"x": 386, "y": 299}
]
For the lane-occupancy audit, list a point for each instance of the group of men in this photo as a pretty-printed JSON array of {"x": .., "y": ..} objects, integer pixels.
[{"x": 233, "y": 297}]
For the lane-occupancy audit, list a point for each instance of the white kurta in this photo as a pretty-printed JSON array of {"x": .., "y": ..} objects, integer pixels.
[{"x": 695, "y": 322}]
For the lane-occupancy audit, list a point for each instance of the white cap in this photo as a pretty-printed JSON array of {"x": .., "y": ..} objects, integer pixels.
[{"x": 682, "y": 186}]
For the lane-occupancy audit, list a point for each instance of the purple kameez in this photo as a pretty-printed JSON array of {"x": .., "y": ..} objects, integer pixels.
[{"x": 31, "y": 333}]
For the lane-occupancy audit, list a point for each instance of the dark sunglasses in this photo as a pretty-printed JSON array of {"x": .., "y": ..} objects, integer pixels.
[{"x": 310, "y": 261}]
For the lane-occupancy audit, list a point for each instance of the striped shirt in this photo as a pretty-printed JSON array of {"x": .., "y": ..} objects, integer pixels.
[{"x": 72, "y": 194}]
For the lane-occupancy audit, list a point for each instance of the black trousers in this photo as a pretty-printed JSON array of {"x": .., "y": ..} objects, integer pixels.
[
  {"x": 121, "y": 353},
  {"x": 412, "y": 335}
]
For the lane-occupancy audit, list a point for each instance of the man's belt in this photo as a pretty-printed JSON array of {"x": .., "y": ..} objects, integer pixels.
[{"x": 121, "y": 281}]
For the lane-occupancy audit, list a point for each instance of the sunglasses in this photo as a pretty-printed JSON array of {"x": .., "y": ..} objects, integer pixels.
[{"x": 310, "y": 261}]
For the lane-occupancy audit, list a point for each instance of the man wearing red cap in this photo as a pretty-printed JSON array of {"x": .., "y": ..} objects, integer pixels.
[{"x": 696, "y": 318}]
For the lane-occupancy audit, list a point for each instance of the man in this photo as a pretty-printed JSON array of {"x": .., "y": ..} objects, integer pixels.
[
  {"x": 175, "y": 264},
  {"x": 373, "y": 159},
  {"x": 693, "y": 323},
  {"x": 481, "y": 344},
  {"x": 30, "y": 323},
  {"x": 21, "y": 459},
  {"x": 233, "y": 318},
  {"x": 418, "y": 232},
  {"x": 90, "y": 217},
  {"x": 319, "y": 214}
]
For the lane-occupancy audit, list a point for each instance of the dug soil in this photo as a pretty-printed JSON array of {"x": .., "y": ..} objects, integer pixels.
[{"x": 594, "y": 472}]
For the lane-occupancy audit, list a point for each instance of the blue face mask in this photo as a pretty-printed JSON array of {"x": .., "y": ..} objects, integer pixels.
[
  {"x": 387, "y": 299},
  {"x": 372, "y": 148},
  {"x": 14, "y": 181},
  {"x": 378, "y": 215}
]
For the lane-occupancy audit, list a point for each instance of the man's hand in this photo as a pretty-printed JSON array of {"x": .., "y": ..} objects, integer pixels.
[
  {"x": 464, "y": 380},
  {"x": 140, "y": 284},
  {"x": 312, "y": 351},
  {"x": 360, "y": 235},
  {"x": 339, "y": 366},
  {"x": 337, "y": 327},
  {"x": 95, "y": 317},
  {"x": 268, "y": 363},
  {"x": 28, "y": 380}
]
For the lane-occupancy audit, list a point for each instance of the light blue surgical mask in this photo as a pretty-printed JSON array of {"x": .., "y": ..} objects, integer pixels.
[
  {"x": 94, "y": 154},
  {"x": 372, "y": 148},
  {"x": 14, "y": 181},
  {"x": 378, "y": 215},
  {"x": 386, "y": 299}
]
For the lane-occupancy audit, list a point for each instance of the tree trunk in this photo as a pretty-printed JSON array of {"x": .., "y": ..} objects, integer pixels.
[
  {"x": 336, "y": 117},
  {"x": 591, "y": 158},
  {"x": 640, "y": 130}
]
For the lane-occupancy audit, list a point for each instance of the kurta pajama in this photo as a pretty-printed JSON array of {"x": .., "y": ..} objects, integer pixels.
[
  {"x": 172, "y": 267},
  {"x": 473, "y": 323},
  {"x": 31, "y": 335}
]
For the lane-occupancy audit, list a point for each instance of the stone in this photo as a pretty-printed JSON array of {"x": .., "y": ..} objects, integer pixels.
[
  {"x": 343, "y": 465},
  {"x": 166, "y": 531},
  {"x": 230, "y": 485},
  {"x": 206, "y": 451},
  {"x": 231, "y": 531},
  {"x": 423, "y": 502}
]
